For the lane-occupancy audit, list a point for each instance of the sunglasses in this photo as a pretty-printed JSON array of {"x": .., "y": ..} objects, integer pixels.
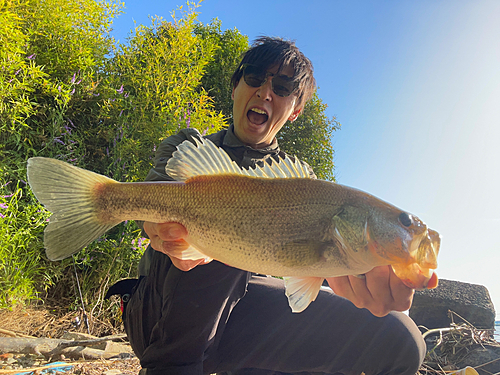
[{"x": 282, "y": 85}]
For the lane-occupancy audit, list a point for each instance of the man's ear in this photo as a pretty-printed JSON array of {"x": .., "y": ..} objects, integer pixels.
[{"x": 294, "y": 115}]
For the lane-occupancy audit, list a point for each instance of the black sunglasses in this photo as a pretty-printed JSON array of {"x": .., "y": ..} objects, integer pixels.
[{"x": 282, "y": 85}]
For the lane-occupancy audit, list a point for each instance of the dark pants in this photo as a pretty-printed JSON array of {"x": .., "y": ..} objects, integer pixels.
[{"x": 206, "y": 321}]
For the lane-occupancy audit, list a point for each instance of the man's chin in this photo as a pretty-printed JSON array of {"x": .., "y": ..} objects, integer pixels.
[
  {"x": 257, "y": 127},
  {"x": 254, "y": 135}
]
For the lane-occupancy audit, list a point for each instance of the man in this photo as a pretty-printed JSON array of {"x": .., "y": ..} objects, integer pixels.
[{"x": 194, "y": 317}]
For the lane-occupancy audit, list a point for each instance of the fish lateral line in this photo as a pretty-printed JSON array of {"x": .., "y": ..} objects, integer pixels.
[
  {"x": 120, "y": 201},
  {"x": 227, "y": 177}
]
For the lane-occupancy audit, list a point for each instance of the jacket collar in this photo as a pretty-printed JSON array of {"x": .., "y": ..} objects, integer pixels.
[{"x": 231, "y": 140}]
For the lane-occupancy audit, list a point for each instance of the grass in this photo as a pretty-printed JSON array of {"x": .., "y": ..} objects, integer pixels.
[{"x": 450, "y": 347}]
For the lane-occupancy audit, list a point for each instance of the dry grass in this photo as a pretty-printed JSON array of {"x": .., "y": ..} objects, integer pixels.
[
  {"x": 125, "y": 366},
  {"x": 450, "y": 346},
  {"x": 50, "y": 322}
]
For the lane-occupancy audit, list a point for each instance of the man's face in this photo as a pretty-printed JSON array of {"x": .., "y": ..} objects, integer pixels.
[{"x": 258, "y": 113}]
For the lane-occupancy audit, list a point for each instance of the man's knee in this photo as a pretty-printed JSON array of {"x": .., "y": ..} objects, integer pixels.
[{"x": 412, "y": 348}]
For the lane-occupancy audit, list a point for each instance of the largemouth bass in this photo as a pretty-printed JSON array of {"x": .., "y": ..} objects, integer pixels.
[{"x": 273, "y": 220}]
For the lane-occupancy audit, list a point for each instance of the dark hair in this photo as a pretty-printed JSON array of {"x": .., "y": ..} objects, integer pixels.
[{"x": 267, "y": 52}]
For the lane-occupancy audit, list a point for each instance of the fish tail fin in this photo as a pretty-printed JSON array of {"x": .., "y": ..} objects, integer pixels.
[
  {"x": 205, "y": 158},
  {"x": 301, "y": 291},
  {"x": 68, "y": 192}
]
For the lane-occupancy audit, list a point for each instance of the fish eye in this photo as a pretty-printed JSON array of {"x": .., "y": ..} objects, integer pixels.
[{"x": 405, "y": 219}]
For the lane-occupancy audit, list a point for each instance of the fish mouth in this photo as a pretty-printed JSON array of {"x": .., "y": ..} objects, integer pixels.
[
  {"x": 415, "y": 277},
  {"x": 257, "y": 116},
  {"x": 418, "y": 271}
]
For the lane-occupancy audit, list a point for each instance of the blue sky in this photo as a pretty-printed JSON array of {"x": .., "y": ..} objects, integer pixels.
[{"x": 416, "y": 88}]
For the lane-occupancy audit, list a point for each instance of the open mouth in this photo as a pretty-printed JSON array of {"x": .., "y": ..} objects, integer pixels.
[
  {"x": 257, "y": 116},
  {"x": 428, "y": 250},
  {"x": 417, "y": 272}
]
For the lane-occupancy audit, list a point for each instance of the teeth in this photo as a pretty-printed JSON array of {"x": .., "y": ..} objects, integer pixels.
[{"x": 257, "y": 110}]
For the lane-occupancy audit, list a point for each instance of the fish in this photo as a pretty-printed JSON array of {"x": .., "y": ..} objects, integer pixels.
[{"x": 272, "y": 219}]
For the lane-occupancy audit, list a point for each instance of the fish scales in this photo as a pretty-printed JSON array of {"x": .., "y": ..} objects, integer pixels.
[{"x": 257, "y": 224}]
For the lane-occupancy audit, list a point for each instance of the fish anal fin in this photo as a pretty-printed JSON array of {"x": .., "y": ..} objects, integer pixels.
[{"x": 301, "y": 291}]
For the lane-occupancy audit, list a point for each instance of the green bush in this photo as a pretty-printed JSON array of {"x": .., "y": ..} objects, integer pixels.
[
  {"x": 51, "y": 52},
  {"x": 69, "y": 92},
  {"x": 21, "y": 261}
]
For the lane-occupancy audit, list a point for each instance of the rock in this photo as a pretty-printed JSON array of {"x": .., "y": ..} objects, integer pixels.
[
  {"x": 470, "y": 301},
  {"x": 486, "y": 358},
  {"x": 116, "y": 347},
  {"x": 10, "y": 360},
  {"x": 110, "y": 347}
]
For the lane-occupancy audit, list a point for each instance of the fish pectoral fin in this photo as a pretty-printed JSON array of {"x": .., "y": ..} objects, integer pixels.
[
  {"x": 349, "y": 237},
  {"x": 301, "y": 291},
  {"x": 192, "y": 253}
]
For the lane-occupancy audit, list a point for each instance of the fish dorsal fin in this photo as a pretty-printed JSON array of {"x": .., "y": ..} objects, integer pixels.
[{"x": 205, "y": 158}]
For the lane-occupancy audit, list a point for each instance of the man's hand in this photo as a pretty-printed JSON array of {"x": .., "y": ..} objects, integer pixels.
[
  {"x": 380, "y": 291},
  {"x": 168, "y": 238}
]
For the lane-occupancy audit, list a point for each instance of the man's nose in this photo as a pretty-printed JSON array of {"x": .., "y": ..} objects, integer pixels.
[{"x": 265, "y": 91}]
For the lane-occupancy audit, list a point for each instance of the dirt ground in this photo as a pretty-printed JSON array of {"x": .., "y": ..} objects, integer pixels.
[{"x": 47, "y": 323}]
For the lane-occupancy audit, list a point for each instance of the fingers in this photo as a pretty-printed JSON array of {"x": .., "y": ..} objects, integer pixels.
[
  {"x": 342, "y": 287},
  {"x": 381, "y": 291},
  {"x": 378, "y": 283},
  {"x": 354, "y": 289},
  {"x": 403, "y": 295},
  {"x": 171, "y": 231},
  {"x": 173, "y": 248},
  {"x": 186, "y": 265},
  {"x": 166, "y": 231},
  {"x": 168, "y": 238}
]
